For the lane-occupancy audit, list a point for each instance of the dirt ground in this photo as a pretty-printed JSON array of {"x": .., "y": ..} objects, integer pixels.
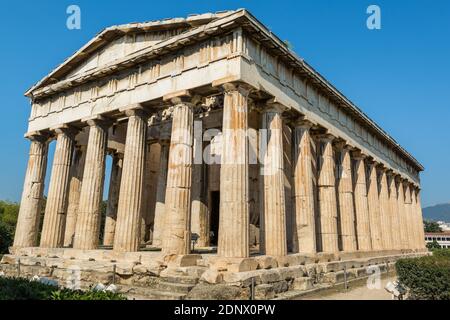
[{"x": 357, "y": 291}]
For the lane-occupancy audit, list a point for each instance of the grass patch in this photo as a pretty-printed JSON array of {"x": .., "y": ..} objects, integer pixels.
[{"x": 23, "y": 289}]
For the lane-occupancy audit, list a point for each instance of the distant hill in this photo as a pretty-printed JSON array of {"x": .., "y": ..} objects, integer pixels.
[{"x": 440, "y": 212}]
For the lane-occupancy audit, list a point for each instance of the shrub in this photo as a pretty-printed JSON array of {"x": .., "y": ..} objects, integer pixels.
[
  {"x": 443, "y": 253},
  {"x": 6, "y": 237},
  {"x": 23, "y": 289},
  {"x": 428, "y": 278},
  {"x": 66, "y": 294},
  {"x": 433, "y": 245}
]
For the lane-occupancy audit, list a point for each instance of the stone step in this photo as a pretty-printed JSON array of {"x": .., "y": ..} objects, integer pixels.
[
  {"x": 180, "y": 279},
  {"x": 143, "y": 293},
  {"x": 174, "y": 287}
]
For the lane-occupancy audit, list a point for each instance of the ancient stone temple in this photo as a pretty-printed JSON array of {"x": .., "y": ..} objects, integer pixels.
[{"x": 231, "y": 159}]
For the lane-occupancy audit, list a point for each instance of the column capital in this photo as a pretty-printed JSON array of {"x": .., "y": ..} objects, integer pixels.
[
  {"x": 273, "y": 105},
  {"x": 184, "y": 97},
  {"x": 135, "y": 110},
  {"x": 37, "y": 136},
  {"x": 398, "y": 178},
  {"x": 381, "y": 167},
  {"x": 406, "y": 184},
  {"x": 358, "y": 155},
  {"x": 326, "y": 137},
  {"x": 341, "y": 144},
  {"x": 303, "y": 122},
  {"x": 244, "y": 88},
  {"x": 69, "y": 130},
  {"x": 98, "y": 120}
]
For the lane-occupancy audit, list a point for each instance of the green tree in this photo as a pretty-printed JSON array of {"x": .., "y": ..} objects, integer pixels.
[
  {"x": 433, "y": 245},
  {"x": 431, "y": 226},
  {"x": 8, "y": 219}
]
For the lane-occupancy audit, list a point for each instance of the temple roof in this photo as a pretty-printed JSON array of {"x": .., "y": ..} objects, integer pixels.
[
  {"x": 199, "y": 27},
  {"x": 109, "y": 34}
]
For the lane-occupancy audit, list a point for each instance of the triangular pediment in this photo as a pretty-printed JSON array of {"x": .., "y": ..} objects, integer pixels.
[{"x": 117, "y": 42}]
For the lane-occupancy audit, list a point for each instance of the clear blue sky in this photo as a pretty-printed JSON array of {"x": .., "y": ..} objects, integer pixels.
[{"x": 398, "y": 75}]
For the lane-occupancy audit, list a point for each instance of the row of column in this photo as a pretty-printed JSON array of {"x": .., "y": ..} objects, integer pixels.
[{"x": 342, "y": 200}]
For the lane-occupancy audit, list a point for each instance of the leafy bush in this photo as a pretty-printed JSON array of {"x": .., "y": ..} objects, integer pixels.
[
  {"x": 428, "y": 278},
  {"x": 442, "y": 253},
  {"x": 431, "y": 226},
  {"x": 8, "y": 218},
  {"x": 6, "y": 237},
  {"x": 22, "y": 289},
  {"x": 433, "y": 245},
  {"x": 9, "y": 211}
]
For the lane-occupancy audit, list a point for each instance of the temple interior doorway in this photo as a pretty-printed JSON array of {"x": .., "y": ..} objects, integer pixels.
[{"x": 215, "y": 205}]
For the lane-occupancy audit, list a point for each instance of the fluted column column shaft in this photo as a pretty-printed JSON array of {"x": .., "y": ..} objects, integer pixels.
[
  {"x": 158, "y": 227},
  {"x": 421, "y": 244},
  {"x": 113, "y": 199},
  {"x": 386, "y": 230},
  {"x": 418, "y": 222},
  {"x": 33, "y": 189},
  {"x": 328, "y": 211},
  {"x": 409, "y": 218},
  {"x": 273, "y": 180},
  {"x": 374, "y": 208},
  {"x": 402, "y": 215},
  {"x": 234, "y": 174},
  {"x": 304, "y": 184},
  {"x": 177, "y": 235},
  {"x": 55, "y": 211},
  {"x": 394, "y": 214},
  {"x": 129, "y": 212},
  {"x": 76, "y": 178},
  {"x": 87, "y": 229},
  {"x": 363, "y": 232},
  {"x": 346, "y": 204}
]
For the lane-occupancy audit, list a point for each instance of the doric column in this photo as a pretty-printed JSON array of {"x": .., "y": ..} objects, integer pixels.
[
  {"x": 408, "y": 215},
  {"x": 113, "y": 199},
  {"x": 374, "y": 207},
  {"x": 346, "y": 204},
  {"x": 30, "y": 206},
  {"x": 421, "y": 242},
  {"x": 304, "y": 184},
  {"x": 76, "y": 178},
  {"x": 394, "y": 212},
  {"x": 328, "y": 211},
  {"x": 129, "y": 212},
  {"x": 414, "y": 218},
  {"x": 158, "y": 226},
  {"x": 234, "y": 174},
  {"x": 272, "y": 170},
  {"x": 151, "y": 176},
  {"x": 402, "y": 213},
  {"x": 363, "y": 234},
  {"x": 87, "y": 230},
  {"x": 385, "y": 219},
  {"x": 177, "y": 228},
  {"x": 55, "y": 211},
  {"x": 200, "y": 224}
]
